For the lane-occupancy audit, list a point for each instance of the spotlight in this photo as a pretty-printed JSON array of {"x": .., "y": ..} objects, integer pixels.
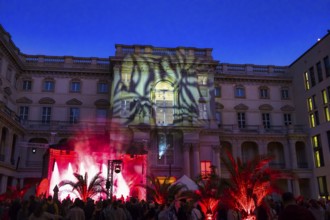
[{"x": 34, "y": 150}]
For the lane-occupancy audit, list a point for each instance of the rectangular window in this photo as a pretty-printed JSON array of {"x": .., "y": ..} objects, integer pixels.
[
  {"x": 266, "y": 120},
  {"x": 312, "y": 120},
  {"x": 126, "y": 78},
  {"x": 202, "y": 80},
  {"x": 75, "y": 87},
  {"x": 241, "y": 119},
  {"x": 312, "y": 75},
  {"x": 264, "y": 93},
  {"x": 326, "y": 113},
  {"x": 218, "y": 117},
  {"x": 24, "y": 113},
  {"x": 217, "y": 92},
  {"x": 46, "y": 114},
  {"x": 165, "y": 149},
  {"x": 306, "y": 80},
  {"x": 318, "y": 153},
  {"x": 74, "y": 115},
  {"x": 285, "y": 93},
  {"x": 322, "y": 184},
  {"x": 317, "y": 118},
  {"x": 325, "y": 97},
  {"x": 206, "y": 168},
  {"x": 101, "y": 115},
  {"x": 326, "y": 66},
  {"x": 204, "y": 92},
  {"x": 48, "y": 86},
  {"x": 202, "y": 110},
  {"x": 125, "y": 108},
  {"x": 310, "y": 104},
  {"x": 102, "y": 88},
  {"x": 319, "y": 71},
  {"x": 239, "y": 92},
  {"x": 27, "y": 85},
  {"x": 287, "y": 119}
]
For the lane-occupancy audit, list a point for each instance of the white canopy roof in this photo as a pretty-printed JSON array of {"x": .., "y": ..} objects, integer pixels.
[{"x": 189, "y": 183}]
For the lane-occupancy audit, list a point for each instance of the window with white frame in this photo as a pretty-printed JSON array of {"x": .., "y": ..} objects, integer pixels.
[
  {"x": 266, "y": 120},
  {"x": 74, "y": 115},
  {"x": 264, "y": 92},
  {"x": 164, "y": 102},
  {"x": 202, "y": 80},
  {"x": 46, "y": 115},
  {"x": 241, "y": 119},
  {"x": 239, "y": 92},
  {"x": 202, "y": 107},
  {"x": 75, "y": 86},
  {"x": 287, "y": 119},
  {"x": 48, "y": 85},
  {"x": 24, "y": 113},
  {"x": 102, "y": 87},
  {"x": 285, "y": 93},
  {"x": 27, "y": 85}
]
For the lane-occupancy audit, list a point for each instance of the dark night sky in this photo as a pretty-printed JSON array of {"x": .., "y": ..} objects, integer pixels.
[{"x": 239, "y": 31}]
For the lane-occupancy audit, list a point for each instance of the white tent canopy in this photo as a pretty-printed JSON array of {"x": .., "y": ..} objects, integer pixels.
[{"x": 189, "y": 183}]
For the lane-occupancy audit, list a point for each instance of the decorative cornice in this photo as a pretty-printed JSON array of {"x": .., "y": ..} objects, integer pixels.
[
  {"x": 46, "y": 100},
  {"x": 241, "y": 107},
  {"x": 266, "y": 107},
  {"x": 24, "y": 100},
  {"x": 102, "y": 103},
  {"x": 74, "y": 102}
]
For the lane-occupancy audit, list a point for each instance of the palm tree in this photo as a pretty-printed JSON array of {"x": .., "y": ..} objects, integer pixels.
[
  {"x": 210, "y": 188},
  {"x": 250, "y": 182},
  {"x": 83, "y": 189},
  {"x": 162, "y": 192}
]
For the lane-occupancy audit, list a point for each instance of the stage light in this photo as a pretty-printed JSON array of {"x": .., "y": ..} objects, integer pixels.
[{"x": 117, "y": 168}]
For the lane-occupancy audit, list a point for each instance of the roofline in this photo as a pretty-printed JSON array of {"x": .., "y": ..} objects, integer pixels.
[{"x": 319, "y": 41}]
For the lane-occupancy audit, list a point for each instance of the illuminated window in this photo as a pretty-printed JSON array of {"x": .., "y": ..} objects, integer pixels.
[
  {"x": 206, "y": 168},
  {"x": 306, "y": 79},
  {"x": 75, "y": 86},
  {"x": 126, "y": 78},
  {"x": 27, "y": 85},
  {"x": 284, "y": 93},
  {"x": 318, "y": 153},
  {"x": 204, "y": 92},
  {"x": 326, "y": 66},
  {"x": 24, "y": 113},
  {"x": 241, "y": 119},
  {"x": 263, "y": 92},
  {"x": 164, "y": 100},
  {"x": 266, "y": 120},
  {"x": 48, "y": 85},
  {"x": 202, "y": 107},
  {"x": 102, "y": 87},
  {"x": 239, "y": 92},
  {"x": 202, "y": 80},
  {"x": 287, "y": 119},
  {"x": 312, "y": 75},
  {"x": 325, "y": 97},
  {"x": 311, "y": 103},
  {"x": 46, "y": 114},
  {"x": 217, "y": 91},
  {"x": 125, "y": 108},
  {"x": 319, "y": 71},
  {"x": 327, "y": 113},
  {"x": 312, "y": 120},
  {"x": 165, "y": 149},
  {"x": 74, "y": 115},
  {"x": 322, "y": 184}
]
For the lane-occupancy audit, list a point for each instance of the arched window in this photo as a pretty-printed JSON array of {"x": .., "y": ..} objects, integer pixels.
[{"x": 164, "y": 101}]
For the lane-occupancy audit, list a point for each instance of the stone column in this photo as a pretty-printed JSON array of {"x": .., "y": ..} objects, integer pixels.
[
  {"x": 217, "y": 161},
  {"x": 8, "y": 146},
  {"x": 196, "y": 166},
  {"x": 293, "y": 154},
  {"x": 3, "y": 184},
  {"x": 186, "y": 159},
  {"x": 21, "y": 183},
  {"x": 296, "y": 187}
]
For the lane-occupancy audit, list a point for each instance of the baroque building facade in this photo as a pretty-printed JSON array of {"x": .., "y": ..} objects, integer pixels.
[{"x": 180, "y": 105}]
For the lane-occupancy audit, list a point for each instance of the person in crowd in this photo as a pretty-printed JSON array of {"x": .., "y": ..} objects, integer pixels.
[
  {"x": 39, "y": 213},
  {"x": 293, "y": 211},
  {"x": 196, "y": 213},
  {"x": 76, "y": 212},
  {"x": 316, "y": 209}
]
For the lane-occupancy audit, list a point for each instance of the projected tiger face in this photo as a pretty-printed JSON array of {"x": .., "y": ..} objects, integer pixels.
[{"x": 162, "y": 90}]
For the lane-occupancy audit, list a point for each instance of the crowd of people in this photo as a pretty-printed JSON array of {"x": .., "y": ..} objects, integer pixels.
[{"x": 48, "y": 208}]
